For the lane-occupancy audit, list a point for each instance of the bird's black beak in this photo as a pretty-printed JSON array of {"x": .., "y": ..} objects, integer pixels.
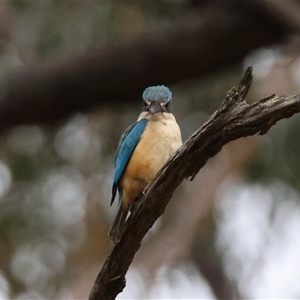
[{"x": 155, "y": 107}]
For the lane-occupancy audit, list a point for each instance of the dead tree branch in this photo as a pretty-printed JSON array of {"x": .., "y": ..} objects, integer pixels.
[{"x": 234, "y": 119}]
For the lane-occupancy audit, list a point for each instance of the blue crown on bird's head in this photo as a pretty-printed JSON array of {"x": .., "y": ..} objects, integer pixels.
[{"x": 157, "y": 93}]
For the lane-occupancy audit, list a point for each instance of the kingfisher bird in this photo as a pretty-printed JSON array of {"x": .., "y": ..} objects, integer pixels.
[{"x": 144, "y": 148}]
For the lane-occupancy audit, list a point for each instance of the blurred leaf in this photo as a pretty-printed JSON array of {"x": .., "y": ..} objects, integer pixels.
[
  {"x": 24, "y": 168},
  {"x": 50, "y": 38},
  {"x": 21, "y": 4},
  {"x": 279, "y": 158}
]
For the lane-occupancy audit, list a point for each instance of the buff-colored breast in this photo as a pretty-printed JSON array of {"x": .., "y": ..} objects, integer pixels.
[{"x": 159, "y": 141}]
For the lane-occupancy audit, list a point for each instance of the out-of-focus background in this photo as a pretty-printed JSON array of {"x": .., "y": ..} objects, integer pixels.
[{"x": 71, "y": 78}]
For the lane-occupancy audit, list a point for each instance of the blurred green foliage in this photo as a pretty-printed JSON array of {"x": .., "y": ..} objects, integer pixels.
[
  {"x": 50, "y": 38},
  {"x": 22, "y": 5},
  {"x": 279, "y": 156},
  {"x": 24, "y": 168}
]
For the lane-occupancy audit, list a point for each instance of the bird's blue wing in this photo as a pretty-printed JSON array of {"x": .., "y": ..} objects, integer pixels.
[{"x": 127, "y": 144}]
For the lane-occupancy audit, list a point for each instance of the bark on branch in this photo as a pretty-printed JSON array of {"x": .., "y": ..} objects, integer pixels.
[{"x": 234, "y": 119}]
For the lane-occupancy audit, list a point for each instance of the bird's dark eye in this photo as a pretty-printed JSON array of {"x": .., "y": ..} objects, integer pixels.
[{"x": 167, "y": 104}]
